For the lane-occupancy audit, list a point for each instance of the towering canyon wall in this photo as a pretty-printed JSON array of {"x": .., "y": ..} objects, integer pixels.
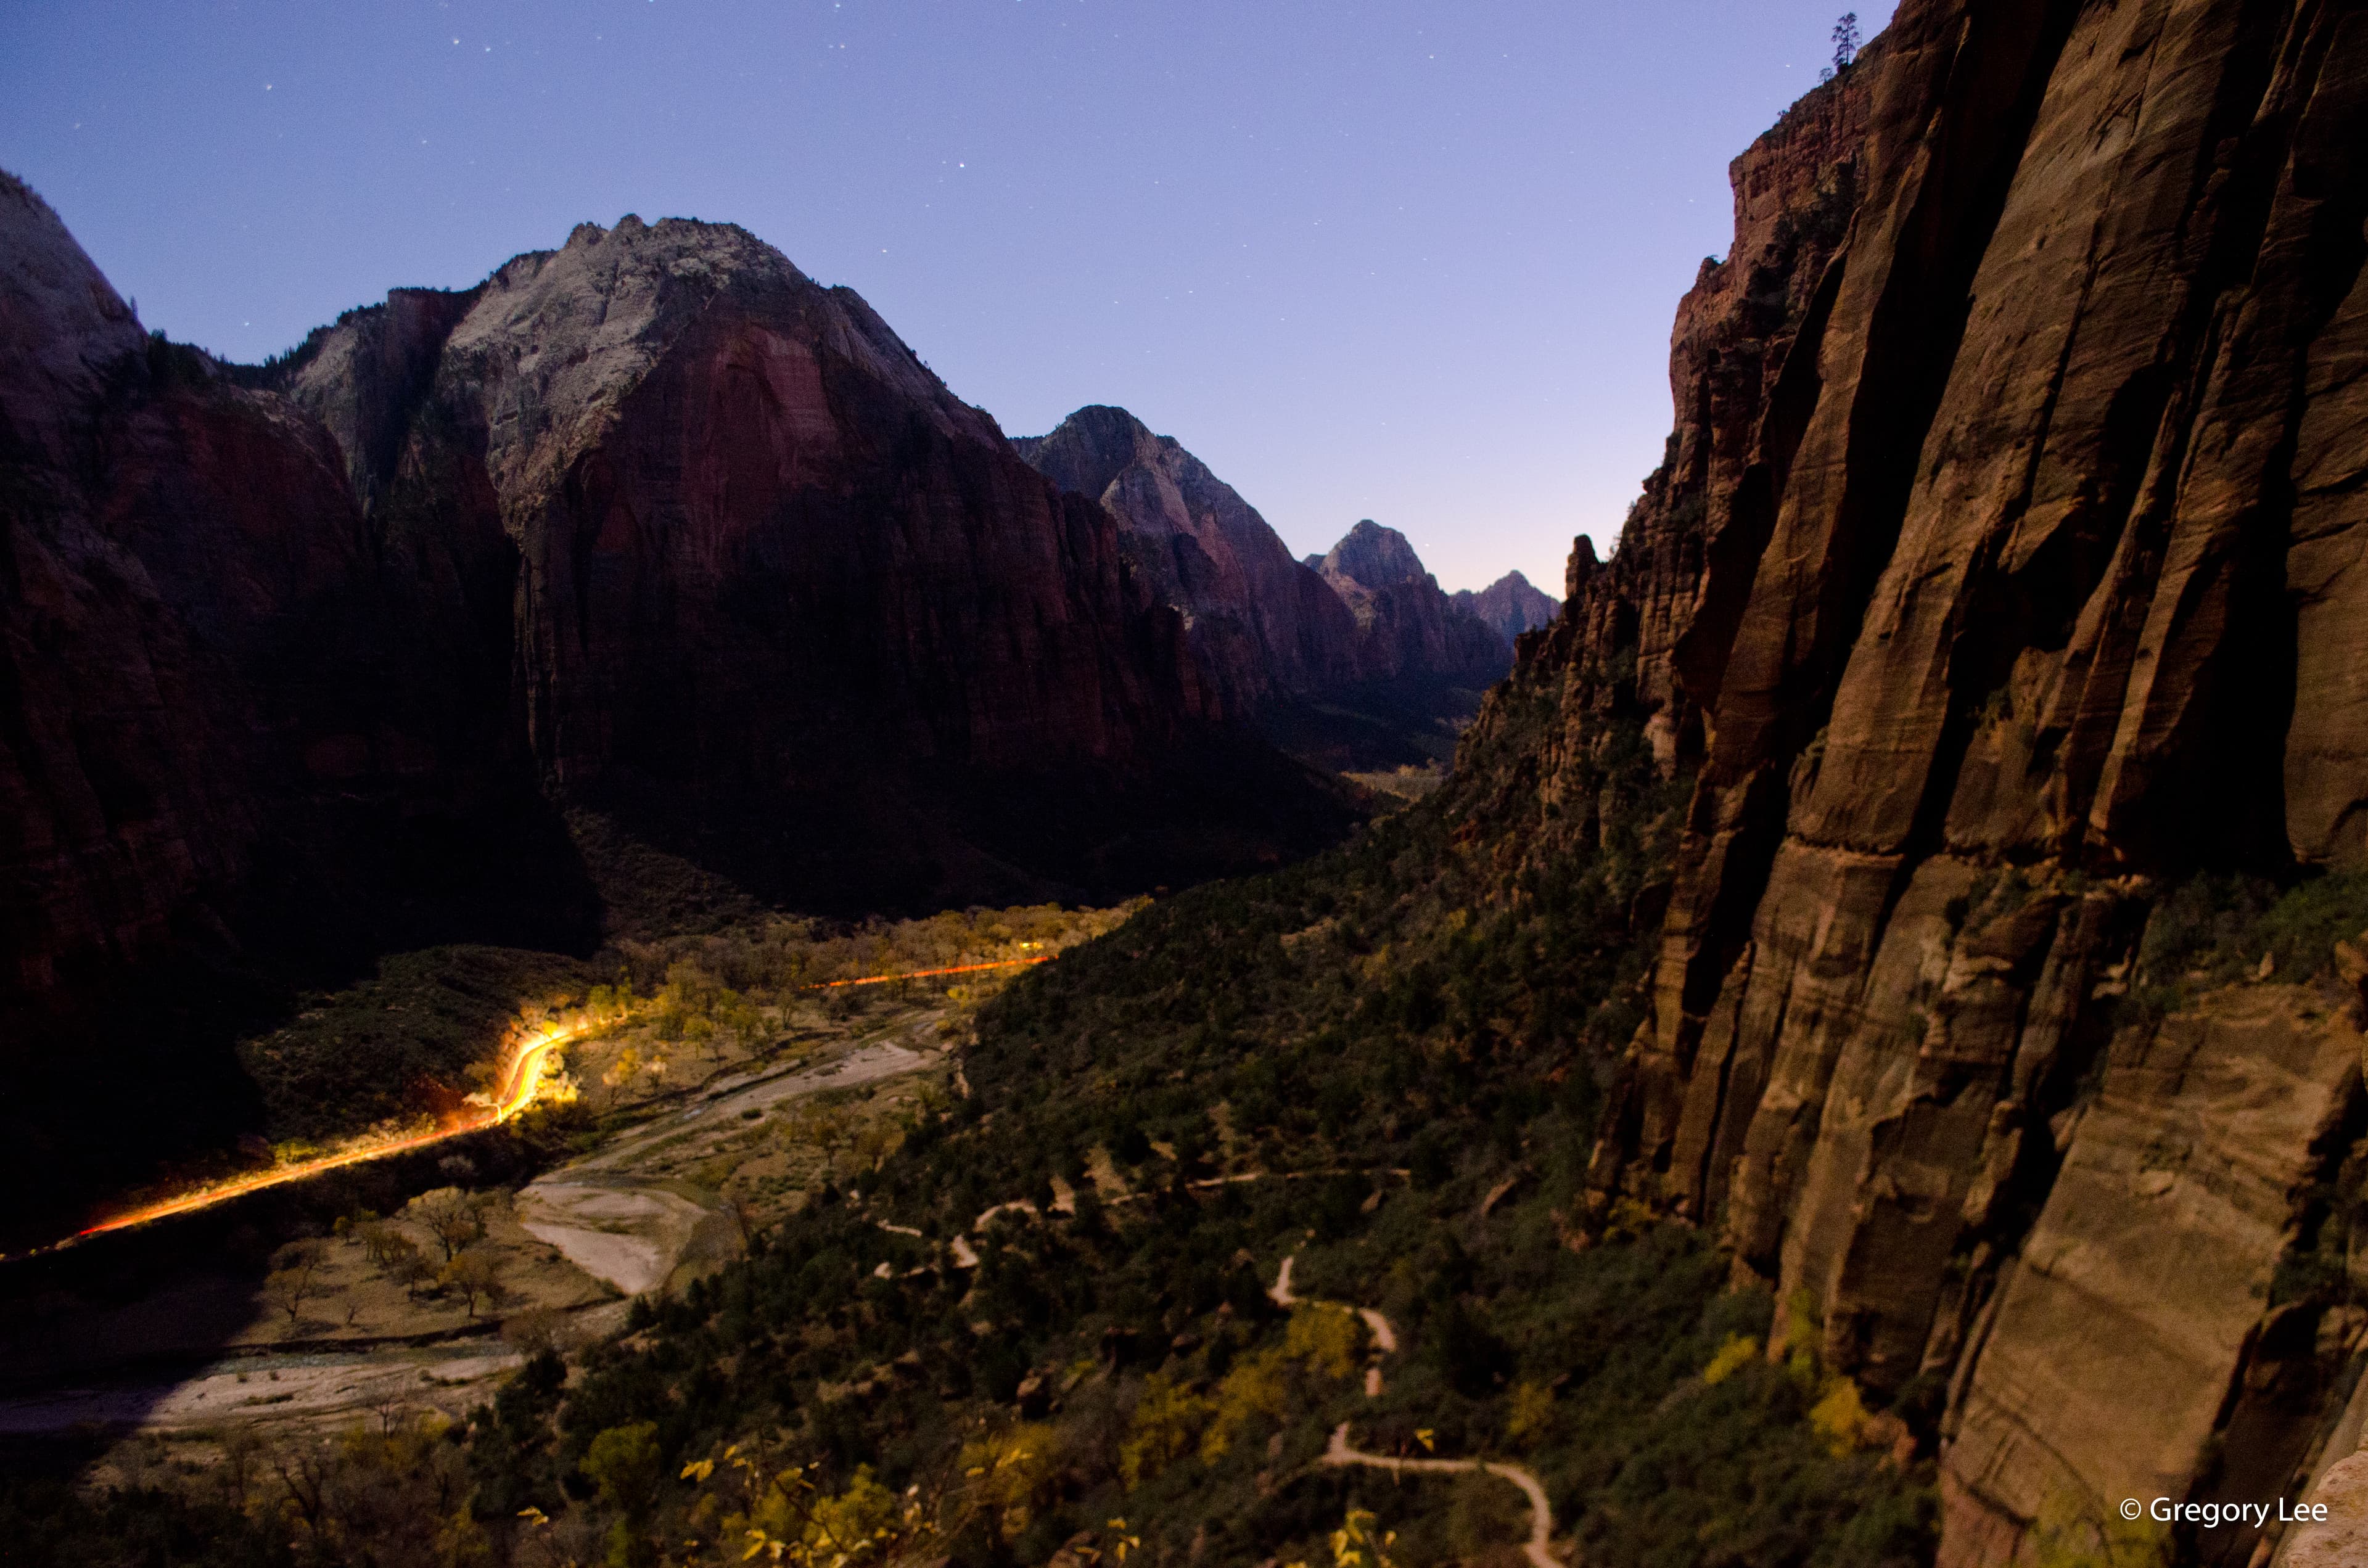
[
  {"x": 245, "y": 736},
  {"x": 2003, "y": 576},
  {"x": 784, "y": 601},
  {"x": 299, "y": 662},
  {"x": 211, "y": 665},
  {"x": 1353, "y": 659}
]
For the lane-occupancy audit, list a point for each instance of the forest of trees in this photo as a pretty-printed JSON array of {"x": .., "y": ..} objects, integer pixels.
[{"x": 1401, "y": 1047}]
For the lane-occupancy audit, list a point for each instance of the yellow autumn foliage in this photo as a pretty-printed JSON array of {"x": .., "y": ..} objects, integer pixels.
[
  {"x": 1007, "y": 1470},
  {"x": 1740, "y": 1351}
]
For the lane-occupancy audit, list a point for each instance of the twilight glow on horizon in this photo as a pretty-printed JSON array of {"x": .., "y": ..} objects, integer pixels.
[{"x": 1403, "y": 261}]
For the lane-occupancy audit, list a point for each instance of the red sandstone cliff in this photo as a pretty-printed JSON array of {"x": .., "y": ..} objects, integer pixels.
[
  {"x": 1260, "y": 623},
  {"x": 2003, "y": 573},
  {"x": 210, "y": 660},
  {"x": 1355, "y": 659},
  {"x": 237, "y": 725},
  {"x": 785, "y": 602},
  {"x": 1409, "y": 629},
  {"x": 296, "y": 660}
]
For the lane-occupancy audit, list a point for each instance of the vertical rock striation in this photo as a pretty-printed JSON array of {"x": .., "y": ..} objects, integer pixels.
[
  {"x": 2004, "y": 568},
  {"x": 784, "y": 602}
]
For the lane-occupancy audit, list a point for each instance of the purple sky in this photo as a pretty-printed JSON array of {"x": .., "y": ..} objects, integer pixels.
[{"x": 1410, "y": 261}]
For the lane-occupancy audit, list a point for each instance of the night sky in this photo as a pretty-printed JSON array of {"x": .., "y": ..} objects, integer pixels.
[{"x": 1415, "y": 262}]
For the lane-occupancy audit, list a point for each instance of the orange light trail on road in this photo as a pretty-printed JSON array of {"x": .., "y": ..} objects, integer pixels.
[
  {"x": 519, "y": 1087},
  {"x": 925, "y": 973}
]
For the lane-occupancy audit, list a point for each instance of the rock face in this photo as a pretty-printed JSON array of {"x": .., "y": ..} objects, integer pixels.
[
  {"x": 1294, "y": 646},
  {"x": 227, "y": 705},
  {"x": 1512, "y": 604},
  {"x": 1410, "y": 628},
  {"x": 2002, "y": 574},
  {"x": 210, "y": 658},
  {"x": 786, "y": 603},
  {"x": 1259, "y": 624},
  {"x": 296, "y": 659}
]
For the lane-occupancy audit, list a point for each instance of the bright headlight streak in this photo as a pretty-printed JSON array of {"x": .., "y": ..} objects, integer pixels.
[{"x": 520, "y": 1085}]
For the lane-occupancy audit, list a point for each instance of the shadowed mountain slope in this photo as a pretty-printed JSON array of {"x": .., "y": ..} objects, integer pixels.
[
  {"x": 1366, "y": 664},
  {"x": 1512, "y": 604},
  {"x": 299, "y": 660}
]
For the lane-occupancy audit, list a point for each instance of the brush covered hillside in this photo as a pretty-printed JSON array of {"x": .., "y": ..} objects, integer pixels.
[
  {"x": 306, "y": 665},
  {"x": 1279, "y": 1179},
  {"x": 1351, "y": 660},
  {"x": 1860, "y": 1063}
]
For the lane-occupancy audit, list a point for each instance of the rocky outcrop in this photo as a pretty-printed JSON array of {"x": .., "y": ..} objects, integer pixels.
[
  {"x": 1354, "y": 659},
  {"x": 2142, "y": 1284},
  {"x": 785, "y": 603},
  {"x": 234, "y": 720},
  {"x": 297, "y": 660},
  {"x": 1407, "y": 626},
  {"x": 210, "y": 658},
  {"x": 1260, "y": 625},
  {"x": 1511, "y": 605},
  {"x": 2000, "y": 577}
]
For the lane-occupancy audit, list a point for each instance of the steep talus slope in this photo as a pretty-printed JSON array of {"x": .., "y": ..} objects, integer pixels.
[
  {"x": 1999, "y": 577},
  {"x": 1513, "y": 604}
]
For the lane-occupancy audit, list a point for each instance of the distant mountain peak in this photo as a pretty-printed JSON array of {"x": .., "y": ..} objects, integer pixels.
[
  {"x": 1091, "y": 448},
  {"x": 1375, "y": 557},
  {"x": 1512, "y": 604}
]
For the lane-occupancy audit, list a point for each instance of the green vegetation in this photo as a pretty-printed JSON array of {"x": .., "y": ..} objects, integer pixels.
[
  {"x": 1402, "y": 784},
  {"x": 420, "y": 1035},
  {"x": 402, "y": 1041},
  {"x": 1387, "y": 1063},
  {"x": 2219, "y": 929},
  {"x": 177, "y": 367}
]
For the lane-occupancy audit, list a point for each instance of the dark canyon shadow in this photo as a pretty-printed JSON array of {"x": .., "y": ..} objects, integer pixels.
[
  {"x": 123, "y": 1319},
  {"x": 145, "y": 1081},
  {"x": 854, "y": 841}
]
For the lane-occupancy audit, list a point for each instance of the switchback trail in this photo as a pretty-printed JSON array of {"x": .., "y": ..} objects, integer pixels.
[
  {"x": 1537, "y": 1548},
  {"x": 1540, "y": 1512}
]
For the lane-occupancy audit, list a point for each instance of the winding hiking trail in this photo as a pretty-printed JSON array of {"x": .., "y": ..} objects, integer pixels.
[{"x": 1337, "y": 1452}]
